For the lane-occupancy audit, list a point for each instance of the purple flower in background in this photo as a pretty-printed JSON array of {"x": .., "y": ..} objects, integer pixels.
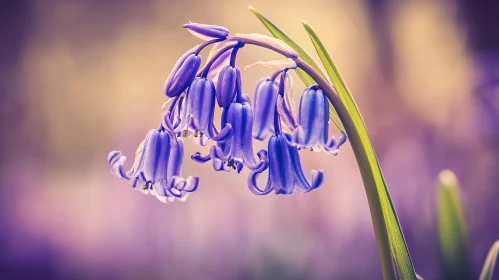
[
  {"x": 157, "y": 167},
  {"x": 237, "y": 151},
  {"x": 206, "y": 31},
  {"x": 313, "y": 122},
  {"x": 264, "y": 107}
]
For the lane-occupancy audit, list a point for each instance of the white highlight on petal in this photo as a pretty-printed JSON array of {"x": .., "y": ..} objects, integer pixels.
[
  {"x": 165, "y": 105},
  {"x": 280, "y": 64},
  {"x": 288, "y": 94}
]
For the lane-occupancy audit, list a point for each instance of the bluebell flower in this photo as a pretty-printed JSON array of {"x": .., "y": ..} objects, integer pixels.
[
  {"x": 207, "y": 31},
  {"x": 157, "y": 167},
  {"x": 313, "y": 122},
  {"x": 237, "y": 151},
  {"x": 196, "y": 113},
  {"x": 190, "y": 112},
  {"x": 285, "y": 170},
  {"x": 183, "y": 73},
  {"x": 264, "y": 107},
  {"x": 228, "y": 79}
]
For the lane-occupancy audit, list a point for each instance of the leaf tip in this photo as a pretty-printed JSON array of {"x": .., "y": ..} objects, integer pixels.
[
  {"x": 447, "y": 178},
  {"x": 251, "y": 8}
]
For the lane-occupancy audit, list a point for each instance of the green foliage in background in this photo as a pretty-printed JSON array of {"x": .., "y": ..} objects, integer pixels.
[
  {"x": 452, "y": 230},
  {"x": 490, "y": 262}
]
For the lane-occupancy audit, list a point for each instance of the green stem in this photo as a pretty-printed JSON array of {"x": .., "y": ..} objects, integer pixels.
[
  {"x": 382, "y": 238},
  {"x": 361, "y": 154}
]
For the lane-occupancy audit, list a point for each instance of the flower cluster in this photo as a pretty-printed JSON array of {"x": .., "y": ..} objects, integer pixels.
[{"x": 196, "y": 91}]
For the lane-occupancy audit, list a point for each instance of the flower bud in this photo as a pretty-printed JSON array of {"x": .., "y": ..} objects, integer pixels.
[
  {"x": 226, "y": 85},
  {"x": 206, "y": 31},
  {"x": 182, "y": 74}
]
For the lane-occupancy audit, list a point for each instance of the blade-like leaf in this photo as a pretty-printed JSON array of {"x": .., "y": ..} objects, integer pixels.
[
  {"x": 490, "y": 262},
  {"x": 452, "y": 230},
  {"x": 367, "y": 159},
  {"x": 307, "y": 80}
]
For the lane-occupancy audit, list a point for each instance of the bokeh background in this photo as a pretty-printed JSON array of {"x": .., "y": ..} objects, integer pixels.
[{"x": 81, "y": 78}]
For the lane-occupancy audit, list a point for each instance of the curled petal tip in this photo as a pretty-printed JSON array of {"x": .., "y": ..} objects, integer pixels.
[{"x": 224, "y": 134}]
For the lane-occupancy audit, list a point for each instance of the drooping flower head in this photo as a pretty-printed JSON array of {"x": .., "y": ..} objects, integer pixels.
[
  {"x": 237, "y": 151},
  {"x": 196, "y": 112},
  {"x": 157, "y": 167},
  {"x": 286, "y": 173},
  {"x": 194, "y": 92},
  {"x": 264, "y": 107},
  {"x": 313, "y": 123}
]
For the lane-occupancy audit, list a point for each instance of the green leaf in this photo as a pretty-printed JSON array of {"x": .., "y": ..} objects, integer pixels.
[
  {"x": 306, "y": 79},
  {"x": 369, "y": 165},
  {"x": 490, "y": 262},
  {"x": 452, "y": 231}
]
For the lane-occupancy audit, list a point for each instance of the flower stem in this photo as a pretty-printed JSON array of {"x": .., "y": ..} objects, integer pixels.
[
  {"x": 375, "y": 208},
  {"x": 361, "y": 155},
  {"x": 206, "y": 69},
  {"x": 382, "y": 238}
]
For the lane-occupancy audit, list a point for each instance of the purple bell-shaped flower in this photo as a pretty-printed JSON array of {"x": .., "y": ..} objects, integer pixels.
[
  {"x": 237, "y": 151},
  {"x": 313, "y": 123},
  {"x": 264, "y": 107},
  {"x": 285, "y": 170},
  {"x": 196, "y": 113},
  {"x": 157, "y": 167}
]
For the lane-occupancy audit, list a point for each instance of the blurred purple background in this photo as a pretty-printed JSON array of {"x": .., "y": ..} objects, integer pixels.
[{"x": 81, "y": 78}]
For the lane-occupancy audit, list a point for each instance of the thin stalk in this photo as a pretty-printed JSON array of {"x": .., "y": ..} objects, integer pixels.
[
  {"x": 380, "y": 231},
  {"x": 361, "y": 155}
]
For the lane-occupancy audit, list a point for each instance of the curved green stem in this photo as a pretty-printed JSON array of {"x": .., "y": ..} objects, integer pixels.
[
  {"x": 361, "y": 155},
  {"x": 382, "y": 238}
]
